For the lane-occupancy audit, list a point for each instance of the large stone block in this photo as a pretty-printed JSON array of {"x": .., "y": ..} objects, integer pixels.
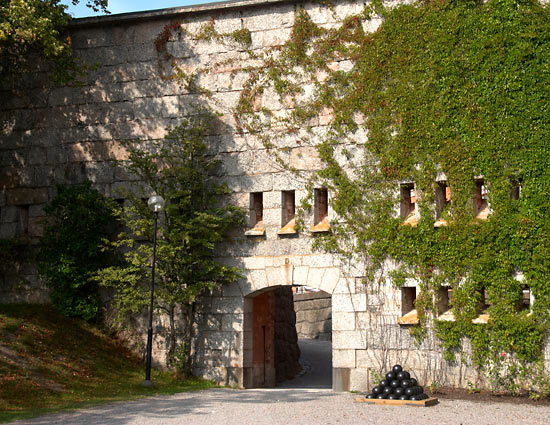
[
  {"x": 27, "y": 196},
  {"x": 349, "y": 302},
  {"x": 315, "y": 277},
  {"x": 232, "y": 322},
  {"x": 227, "y": 305},
  {"x": 349, "y": 340},
  {"x": 330, "y": 280},
  {"x": 258, "y": 278},
  {"x": 359, "y": 380},
  {"x": 343, "y": 321},
  {"x": 343, "y": 358},
  {"x": 9, "y": 214},
  {"x": 279, "y": 275}
]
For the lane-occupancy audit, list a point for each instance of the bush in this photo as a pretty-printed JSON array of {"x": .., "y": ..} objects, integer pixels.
[{"x": 73, "y": 248}]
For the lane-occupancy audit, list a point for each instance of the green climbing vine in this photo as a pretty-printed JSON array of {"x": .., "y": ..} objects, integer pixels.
[{"x": 442, "y": 91}]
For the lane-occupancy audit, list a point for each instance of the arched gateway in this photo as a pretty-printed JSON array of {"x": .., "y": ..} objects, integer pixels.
[
  {"x": 237, "y": 339},
  {"x": 262, "y": 314}
]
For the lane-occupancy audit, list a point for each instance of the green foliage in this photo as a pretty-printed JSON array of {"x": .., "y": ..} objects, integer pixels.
[
  {"x": 453, "y": 87},
  {"x": 73, "y": 248},
  {"x": 194, "y": 221},
  {"x": 30, "y": 27}
]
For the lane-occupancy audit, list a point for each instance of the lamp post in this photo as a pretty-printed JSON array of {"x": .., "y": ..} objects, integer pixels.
[{"x": 156, "y": 203}]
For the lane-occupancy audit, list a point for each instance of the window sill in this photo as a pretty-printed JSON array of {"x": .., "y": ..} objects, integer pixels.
[
  {"x": 411, "y": 318},
  {"x": 441, "y": 223},
  {"x": 288, "y": 229},
  {"x": 447, "y": 316},
  {"x": 483, "y": 318},
  {"x": 411, "y": 220},
  {"x": 322, "y": 226},
  {"x": 257, "y": 230},
  {"x": 483, "y": 214}
]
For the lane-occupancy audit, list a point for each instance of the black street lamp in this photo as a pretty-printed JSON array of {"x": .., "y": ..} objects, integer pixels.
[{"x": 156, "y": 203}]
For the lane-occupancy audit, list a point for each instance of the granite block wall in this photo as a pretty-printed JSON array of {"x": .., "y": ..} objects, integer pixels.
[{"x": 63, "y": 135}]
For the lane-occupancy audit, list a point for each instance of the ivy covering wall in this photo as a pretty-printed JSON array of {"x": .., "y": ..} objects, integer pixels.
[
  {"x": 455, "y": 90},
  {"x": 442, "y": 91}
]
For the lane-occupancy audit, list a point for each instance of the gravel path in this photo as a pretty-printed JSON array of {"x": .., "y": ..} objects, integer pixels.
[
  {"x": 307, "y": 400},
  {"x": 292, "y": 406}
]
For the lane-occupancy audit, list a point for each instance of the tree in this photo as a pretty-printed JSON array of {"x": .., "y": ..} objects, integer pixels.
[
  {"x": 194, "y": 221},
  {"x": 73, "y": 248},
  {"x": 31, "y": 27}
]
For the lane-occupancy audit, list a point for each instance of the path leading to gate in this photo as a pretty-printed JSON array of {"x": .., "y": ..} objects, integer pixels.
[{"x": 316, "y": 360}]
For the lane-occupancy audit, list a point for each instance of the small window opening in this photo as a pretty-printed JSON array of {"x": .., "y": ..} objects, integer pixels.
[
  {"x": 483, "y": 306},
  {"x": 445, "y": 303},
  {"x": 481, "y": 203},
  {"x": 409, "y": 315},
  {"x": 515, "y": 191},
  {"x": 288, "y": 222},
  {"x": 408, "y": 211},
  {"x": 320, "y": 211},
  {"x": 442, "y": 201},
  {"x": 526, "y": 302},
  {"x": 256, "y": 214}
]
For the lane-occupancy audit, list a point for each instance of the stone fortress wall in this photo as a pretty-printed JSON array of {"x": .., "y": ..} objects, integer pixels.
[{"x": 63, "y": 135}]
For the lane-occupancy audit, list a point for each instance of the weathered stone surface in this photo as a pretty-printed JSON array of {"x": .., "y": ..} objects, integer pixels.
[
  {"x": 349, "y": 339},
  {"x": 343, "y": 358},
  {"x": 64, "y": 135}
]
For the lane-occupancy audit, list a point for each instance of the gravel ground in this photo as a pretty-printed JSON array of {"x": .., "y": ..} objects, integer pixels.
[
  {"x": 292, "y": 406},
  {"x": 307, "y": 399}
]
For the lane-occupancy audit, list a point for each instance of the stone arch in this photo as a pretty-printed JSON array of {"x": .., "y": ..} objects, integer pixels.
[{"x": 316, "y": 271}]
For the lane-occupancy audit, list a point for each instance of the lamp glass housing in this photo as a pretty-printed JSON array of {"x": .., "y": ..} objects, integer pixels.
[{"x": 156, "y": 203}]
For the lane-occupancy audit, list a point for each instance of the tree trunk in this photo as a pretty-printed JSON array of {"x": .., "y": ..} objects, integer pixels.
[{"x": 171, "y": 356}]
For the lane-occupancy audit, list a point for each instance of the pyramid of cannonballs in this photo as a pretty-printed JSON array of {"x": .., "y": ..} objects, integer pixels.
[{"x": 398, "y": 385}]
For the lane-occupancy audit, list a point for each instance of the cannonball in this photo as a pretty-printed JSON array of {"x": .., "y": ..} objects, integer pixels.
[
  {"x": 377, "y": 390},
  {"x": 384, "y": 383},
  {"x": 397, "y": 368},
  {"x": 395, "y": 383},
  {"x": 403, "y": 375},
  {"x": 388, "y": 390},
  {"x": 390, "y": 376},
  {"x": 414, "y": 382},
  {"x": 403, "y": 397}
]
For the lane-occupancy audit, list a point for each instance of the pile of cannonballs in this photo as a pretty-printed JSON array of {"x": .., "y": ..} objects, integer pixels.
[{"x": 398, "y": 385}]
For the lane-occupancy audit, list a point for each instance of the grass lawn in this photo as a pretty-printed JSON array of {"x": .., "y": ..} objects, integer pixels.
[{"x": 50, "y": 363}]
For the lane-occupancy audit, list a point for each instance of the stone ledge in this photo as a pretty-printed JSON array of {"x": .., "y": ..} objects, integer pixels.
[{"x": 173, "y": 12}]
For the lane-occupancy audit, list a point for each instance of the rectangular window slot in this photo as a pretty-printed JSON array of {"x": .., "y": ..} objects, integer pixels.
[
  {"x": 481, "y": 203},
  {"x": 408, "y": 210},
  {"x": 256, "y": 215},
  {"x": 442, "y": 201},
  {"x": 526, "y": 302},
  {"x": 484, "y": 305},
  {"x": 515, "y": 191},
  {"x": 409, "y": 315},
  {"x": 288, "y": 222},
  {"x": 445, "y": 304},
  {"x": 320, "y": 211}
]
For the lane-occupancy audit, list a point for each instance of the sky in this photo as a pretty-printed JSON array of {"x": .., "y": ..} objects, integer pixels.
[{"x": 124, "y": 6}]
